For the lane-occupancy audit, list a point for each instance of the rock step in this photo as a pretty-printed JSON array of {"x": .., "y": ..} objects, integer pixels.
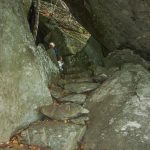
[
  {"x": 85, "y": 74},
  {"x": 73, "y": 69},
  {"x": 58, "y": 92},
  {"x": 55, "y": 135},
  {"x": 63, "y": 111},
  {"x": 75, "y": 98},
  {"x": 80, "y": 87},
  {"x": 62, "y": 82}
]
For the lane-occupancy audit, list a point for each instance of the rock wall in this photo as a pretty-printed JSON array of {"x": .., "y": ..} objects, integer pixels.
[
  {"x": 22, "y": 88},
  {"x": 119, "y": 111},
  {"x": 116, "y": 25}
]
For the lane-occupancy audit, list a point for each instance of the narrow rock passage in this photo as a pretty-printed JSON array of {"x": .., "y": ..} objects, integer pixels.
[{"x": 66, "y": 119}]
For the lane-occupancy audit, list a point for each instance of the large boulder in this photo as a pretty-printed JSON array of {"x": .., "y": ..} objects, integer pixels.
[
  {"x": 120, "y": 57},
  {"x": 90, "y": 55},
  {"x": 22, "y": 86},
  {"x": 58, "y": 25},
  {"x": 119, "y": 111},
  {"x": 117, "y": 24}
]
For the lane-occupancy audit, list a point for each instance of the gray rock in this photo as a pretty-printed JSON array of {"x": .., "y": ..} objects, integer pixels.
[
  {"x": 75, "y": 98},
  {"x": 94, "y": 51},
  {"x": 121, "y": 24},
  {"x": 79, "y": 60},
  {"x": 72, "y": 70},
  {"x": 79, "y": 80},
  {"x": 99, "y": 70},
  {"x": 118, "y": 58},
  {"x": 80, "y": 120},
  {"x": 63, "y": 111},
  {"x": 112, "y": 70},
  {"x": 68, "y": 41},
  {"x": 100, "y": 78},
  {"x": 85, "y": 74},
  {"x": 62, "y": 82},
  {"x": 57, "y": 135},
  {"x": 119, "y": 111},
  {"x": 57, "y": 92},
  {"x": 22, "y": 86},
  {"x": 81, "y": 87},
  {"x": 62, "y": 29},
  {"x": 48, "y": 69}
]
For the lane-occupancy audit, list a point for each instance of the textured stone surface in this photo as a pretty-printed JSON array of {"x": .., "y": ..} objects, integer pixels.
[
  {"x": 85, "y": 74},
  {"x": 119, "y": 111},
  {"x": 75, "y": 98},
  {"x": 94, "y": 51},
  {"x": 57, "y": 135},
  {"x": 80, "y": 120},
  {"x": 48, "y": 69},
  {"x": 118, "y": 58},
  {"x": 81, "y": 87},
  {"x": 79, "y": 60},
  {"x": 99, "y": 70},
  {"x": 58, "y": 92},
  {"x": 100, "y": 78},
  {"x": 63, "y": 111},
  {"x": 22, "y": 86},
  {"x": 62, "y": 82},
  {"x": 121, "y": 24}
]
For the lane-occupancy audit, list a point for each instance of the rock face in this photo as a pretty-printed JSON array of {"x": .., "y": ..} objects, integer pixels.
[
  {"x": 22, "y": 88},
  {"x": 117, "y": 24},
  {"x": 119, "y": 111},
  {"x": 55, "y": 135}
]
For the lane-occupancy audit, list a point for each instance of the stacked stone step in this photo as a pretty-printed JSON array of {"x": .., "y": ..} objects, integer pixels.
[{"x": 66, "y": 118}]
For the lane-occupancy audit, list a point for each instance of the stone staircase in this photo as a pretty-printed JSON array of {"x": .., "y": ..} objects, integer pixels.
[{"x": 65, "y": 121}]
